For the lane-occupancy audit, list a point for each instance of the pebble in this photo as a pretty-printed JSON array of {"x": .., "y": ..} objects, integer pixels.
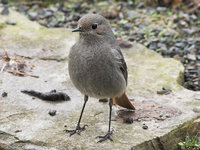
[
  {"x": 5, "y": 11},
  {"x": 196, "y": 109},
  {"x": 16, "y": 131},
  {"x": 4, "y": 2},
  {"x": 197, "y": 98},
  {"x": 128, "y": 120},
  {"x": 140, "y": 5},
  {"x": 183, "y": 23},
  {"x": 4, "y": 94},
  {"x": 180, "y": 45},
  {"x": 104, "y": 100},
  {"x": 145, "y": 127},
  {"x": 186, "y": 46},
  {"x": 32, "y": 15},
  {"x": 193, "y": 17},
  {"x": 52, "y": 112},
  {"x": 53, "y": 24},
  {"x": 153, "y": 45},
  {"x": 189, "y": 31},
  {"x": 10, "y": 22},
  {"x": 191, "y": 57},
  {"x": 21, "y": 9},
  {"x": 161, "y": 9}
]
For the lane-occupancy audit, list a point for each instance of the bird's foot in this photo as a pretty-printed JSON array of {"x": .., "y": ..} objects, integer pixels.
[
  {"x": 78, "y": 130},
  {"x": 106, "y": 137}
]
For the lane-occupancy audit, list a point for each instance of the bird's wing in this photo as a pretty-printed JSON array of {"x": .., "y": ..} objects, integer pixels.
[{"x": 121, "y": 62}]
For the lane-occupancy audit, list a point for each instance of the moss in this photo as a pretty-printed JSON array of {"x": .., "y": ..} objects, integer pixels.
[
  {"x": 171, "y": 140},
  {"x": 2, "y": 25}
]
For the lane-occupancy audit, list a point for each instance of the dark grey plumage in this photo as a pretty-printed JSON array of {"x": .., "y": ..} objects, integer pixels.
[{"x": 96, "y": 64}]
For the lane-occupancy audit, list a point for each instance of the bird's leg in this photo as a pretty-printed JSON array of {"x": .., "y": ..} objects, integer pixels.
[
  {"x": 78, "y": 127},
  {"x": 109, "y": 133}
]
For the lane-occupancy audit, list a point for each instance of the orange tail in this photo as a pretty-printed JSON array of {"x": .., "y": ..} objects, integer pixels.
[{"x": 123, "y": 101}]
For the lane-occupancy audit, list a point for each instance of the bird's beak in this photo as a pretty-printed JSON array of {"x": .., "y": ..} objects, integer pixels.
[{"x": 78, "y": 29}]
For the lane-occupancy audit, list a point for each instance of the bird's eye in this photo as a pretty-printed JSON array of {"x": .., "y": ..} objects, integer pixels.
[{"x": 94, "y": 26}]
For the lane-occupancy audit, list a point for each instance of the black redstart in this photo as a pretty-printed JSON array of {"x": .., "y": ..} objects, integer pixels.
[{"x": 97, "y": 67}]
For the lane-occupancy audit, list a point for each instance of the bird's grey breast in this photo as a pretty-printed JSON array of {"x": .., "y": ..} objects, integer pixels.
[{"x": 93, "y": 70}]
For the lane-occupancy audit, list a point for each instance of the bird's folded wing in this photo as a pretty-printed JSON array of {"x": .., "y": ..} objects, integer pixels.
[{"x": 121, "y": 62}]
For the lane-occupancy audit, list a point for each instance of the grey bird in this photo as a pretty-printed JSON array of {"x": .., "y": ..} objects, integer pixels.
[{"x": 97, "y": 67}]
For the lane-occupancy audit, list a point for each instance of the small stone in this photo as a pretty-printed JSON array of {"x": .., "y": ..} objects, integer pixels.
[
  {"x": 10, "y": 22},
  {"x": 132, "y": 14},
  {"x": 153, "y": 45},
  {"x": 4, "y": 94},
  {"x": 167, "y": 116},
  {"x": 104, "y": 100},
  {"x": 53, "y": 24},
  {"x": 48, "y": 14},
  {"x": 111, "y": 14},
  {"x": 196, "y": 109},
  {"x": 140, "y": 5},
  {"x": 161, "y": 9},
  {"x": 191, "y": 57},
  {"x": 32, "y": 15},
  {"x": 189, "y": 31},
  {"x": 145, "y": 127},
  {"x": 128, "y": 120},
  {"x": 197, "y": 98},
  {"x": 35, "y": 7},
  {"x": 5, "y": 11},
  {"x": 180, "y": 45},
  {"x": 162, "y": 46},
  {"x": 193, "y": 17},
  {"x": 165, "y": 90},
  {"x": 183, "y": 23},
  {"x": 54, "y": 9},
  {"x": 76, "y": 6},
  {"x": 16, "y": 131},
  {"x": 52, "y": 112},
  {"x": 4, "y": 2}
]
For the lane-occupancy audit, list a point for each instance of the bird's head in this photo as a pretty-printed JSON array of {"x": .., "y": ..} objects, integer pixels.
[{"x": 93, "y": 25}]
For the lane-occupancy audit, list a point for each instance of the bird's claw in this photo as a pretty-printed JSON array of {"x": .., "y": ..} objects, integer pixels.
[
  {"x": 78, "y": 130},
  {"x": 106, "y": 137}
]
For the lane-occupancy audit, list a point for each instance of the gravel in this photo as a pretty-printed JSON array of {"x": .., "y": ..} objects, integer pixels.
[{"x": 177, "y": 36}]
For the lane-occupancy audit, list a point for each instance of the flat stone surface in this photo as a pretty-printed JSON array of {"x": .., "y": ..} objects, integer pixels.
[{"x": 26, "y": 124}]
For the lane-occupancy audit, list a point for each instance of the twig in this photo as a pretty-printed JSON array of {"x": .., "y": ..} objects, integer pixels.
[
  {"x": 3, "y": 68},
  {"x": 21, "y": 73}
]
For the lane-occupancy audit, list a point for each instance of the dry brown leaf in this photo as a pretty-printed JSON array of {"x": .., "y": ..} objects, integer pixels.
[{"x": 176, "y": 3}]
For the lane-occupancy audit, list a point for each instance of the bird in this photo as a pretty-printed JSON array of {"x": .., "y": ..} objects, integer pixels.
[{"x": 97, "y": 67}]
